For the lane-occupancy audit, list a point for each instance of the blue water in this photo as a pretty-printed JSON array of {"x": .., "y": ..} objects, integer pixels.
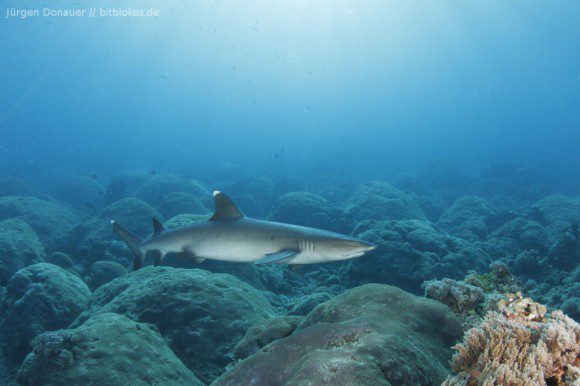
[
  {"x": 446, "y": 132},
  {"x": 369, "y": 87}
]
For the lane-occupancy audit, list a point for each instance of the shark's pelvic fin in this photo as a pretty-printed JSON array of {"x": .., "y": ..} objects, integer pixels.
[
  {"x": 133, "y": 242},
  {"x": 224, "y": 208},
  {"x": 277, "y": 257},
  {"x": 157, "y": 227},
  {"x": 158, "y": 257}
]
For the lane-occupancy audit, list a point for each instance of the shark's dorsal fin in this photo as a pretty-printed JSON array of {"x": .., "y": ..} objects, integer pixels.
[
  {"x": 224, "y": 208},
  {"x": 157, "y": 227}
]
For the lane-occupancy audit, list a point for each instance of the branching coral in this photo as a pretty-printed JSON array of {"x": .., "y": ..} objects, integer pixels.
[
  {"x": 518, "y": 345},
  {"x": 458, "y": 295},
  {"x": 498, "y": 279}
]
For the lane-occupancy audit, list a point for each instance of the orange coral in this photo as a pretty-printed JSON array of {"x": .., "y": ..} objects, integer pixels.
[{"x": 519, "y": 346}]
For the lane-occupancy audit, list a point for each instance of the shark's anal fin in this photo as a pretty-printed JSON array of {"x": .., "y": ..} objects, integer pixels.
[
  {"x": 157, "y": 227},
  {"x": 224, "y": 208},
  {"x": 277, "y": 257}
]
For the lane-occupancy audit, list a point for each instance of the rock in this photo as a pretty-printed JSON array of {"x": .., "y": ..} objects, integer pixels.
[
  {"x": 370, "y": 335},
  {"x": 19, "y": 248},
  {"x": 557, "y": 213},
  {"x": 180, "y": 202},
  {"x": 41, "y": 297},
  {"x": 511, "y": 182},
  {"x": 182, "y": 220},
  {"x": 254, "y": 195},
  {"x": 95, "y": 239},
  {"x": 381, "y": 201},
  {"x": 125, "y": 185},
  {"x": 200, "y": 192},
  {"x": 336, "y": 189},
  {"x": 108, "y": 349},
  {"x": 61, "y": 259},
  {"x": 159, "y": 186},
  {"x": 103, "y": 272},
  {"x": 308, "y": 209},
  {"x": 201, "y": 315},
  {"x": 520, "y": 235},
  {"x": 82, "y": 193},
  {"x": 469, "y": 217},
  {"x": 410, "y": 183},
  {"x": 52, "y": 222},
  {"x": 309, "y": 302},
  {"x": 410, "y": 252},
  {"x": 565, "y": 253},
  {"x": 264, "y": 333}
]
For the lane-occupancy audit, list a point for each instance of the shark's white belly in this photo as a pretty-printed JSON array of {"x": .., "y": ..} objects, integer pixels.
[{"x": 235, "y": 251}]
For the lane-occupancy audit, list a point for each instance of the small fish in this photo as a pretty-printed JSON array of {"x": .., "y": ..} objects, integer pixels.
[
  {"x": 94, "y": 176},
  {"x": 152, "y": 172}
]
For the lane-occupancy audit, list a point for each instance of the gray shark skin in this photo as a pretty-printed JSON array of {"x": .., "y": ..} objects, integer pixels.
[{"x": 230, "y": 236}]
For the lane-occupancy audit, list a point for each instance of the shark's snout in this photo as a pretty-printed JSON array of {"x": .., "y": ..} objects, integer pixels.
[{"x": 369, "y": 246}]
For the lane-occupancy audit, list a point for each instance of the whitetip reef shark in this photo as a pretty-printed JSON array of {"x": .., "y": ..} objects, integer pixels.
[{"x": 231, "y": 236}]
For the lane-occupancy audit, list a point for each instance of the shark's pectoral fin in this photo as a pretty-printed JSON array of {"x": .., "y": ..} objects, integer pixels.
[
  {"x": 277, "y": 257},
  {"x": 196, "y": 260}
]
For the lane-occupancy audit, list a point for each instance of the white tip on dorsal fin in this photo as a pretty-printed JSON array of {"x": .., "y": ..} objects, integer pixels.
[
  {"x": 225, "y": 209},
  {"x": 157, "y": 227}
]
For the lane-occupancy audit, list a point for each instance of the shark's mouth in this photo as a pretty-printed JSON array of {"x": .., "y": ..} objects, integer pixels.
[{"x": 357, "y": 254}]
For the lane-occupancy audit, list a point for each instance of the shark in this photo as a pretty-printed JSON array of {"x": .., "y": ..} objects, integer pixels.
[{"x": 229, "y": 235}]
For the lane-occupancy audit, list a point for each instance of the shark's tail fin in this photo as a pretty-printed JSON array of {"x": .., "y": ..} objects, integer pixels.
[{"x": 133, "y": 241}]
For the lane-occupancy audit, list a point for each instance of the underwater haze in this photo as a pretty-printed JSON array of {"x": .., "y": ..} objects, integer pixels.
[
  {"x": 445, "y": 133},
  {"x": 367, "y": 87}
]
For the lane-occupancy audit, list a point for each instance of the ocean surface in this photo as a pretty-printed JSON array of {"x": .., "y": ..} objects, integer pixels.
[{"x": 445, "y": 133}]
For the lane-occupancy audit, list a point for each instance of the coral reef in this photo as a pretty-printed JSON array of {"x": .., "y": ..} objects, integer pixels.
[
  {"x": 410, "y": 252},
  {"x": 232, "y": 323},
  {"x": 95, "y": 240},
  {"x": 381, "y": 201},
  {"x": 159, "y": 186},
  {"x": 519, "y": 345},
  {"x": 82, "y": 193},
  {"x": 201, "y": 315},
  {"x": 103, "y": 272},
  {"x": 178, "y": 203},
  {"x": 61, "y": 259},
  {"x": 53, "y": 222},
  {"x": 557, "y": 213},
  {"x": 308, "y": 209},
  {"x": 41, "y": 297},
  {"x": 19, "y": 247},
  {"x": 264, "y": 333},
  {"x": 108, "y": 349},
  {"x": 469, "y": 218},
  {"x": 370, "y": 335},
  {"x": 461, "y": 297},
  {"x": 499, "y": 279}
]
